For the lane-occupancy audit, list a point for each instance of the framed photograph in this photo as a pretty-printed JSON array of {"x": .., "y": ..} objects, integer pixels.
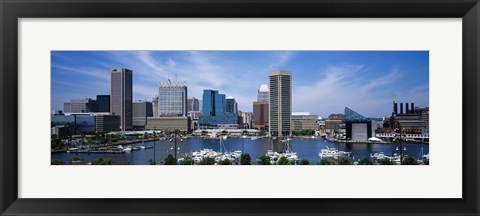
[{"x": 124, "y": 107}]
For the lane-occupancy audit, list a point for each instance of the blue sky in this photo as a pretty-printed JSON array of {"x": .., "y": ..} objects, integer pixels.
[{"x": 324, "y": 82}]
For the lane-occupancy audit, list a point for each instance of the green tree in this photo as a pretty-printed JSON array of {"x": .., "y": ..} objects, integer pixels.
[
  {"x": 170, "y": 160},
  {"x": 409, "y": 160},
  {"x": 426, "y": 161},
  {"x": 245, "y": 159},
  {"x": 365, "y": 161},
  {"x": 345, "y": 161},
  {"x": 264, "y": 160},
  {"x": 76, "y": 161},
  {"x": 56, "y": 143},
  {"x": 207, "y": 161},
  {"x": 327, "y": 161},
  {"x": 282, "y": 161},
  {"x": 187, "y": 161},
  {"x": 386, "y": 161},
  {"x": 151, "y": 162},
  {"x": 304, "y": 162},
  {"x": 102, "y": 161},
  {"x": 225, "y": 162},
  {"x": 307, "y": 132},
  {"x": 56, "y": 162}
]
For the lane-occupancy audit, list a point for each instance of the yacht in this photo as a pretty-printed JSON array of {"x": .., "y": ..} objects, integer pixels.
[
  {"x": 72, "y": 149},
  {"x": 332, "y": 153}
]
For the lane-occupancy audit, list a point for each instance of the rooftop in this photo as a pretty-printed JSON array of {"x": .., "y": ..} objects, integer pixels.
[
  {"x": 263, "y": 88},
  {"x": 280, "y": 72},
  {"x": 169, "y": 83}
]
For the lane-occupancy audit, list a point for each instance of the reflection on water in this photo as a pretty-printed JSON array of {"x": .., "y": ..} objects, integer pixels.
[{"x": 305, "y": 148}]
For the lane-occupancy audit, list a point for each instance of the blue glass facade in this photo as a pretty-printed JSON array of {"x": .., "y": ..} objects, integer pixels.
[
  {"x": 214, "y": 110},
  {"x": 76, "y": 124}
]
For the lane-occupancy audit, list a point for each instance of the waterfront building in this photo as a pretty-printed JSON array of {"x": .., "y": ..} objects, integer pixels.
[
  {"x": 193, "y": 104},
  {"x": 227, "y": 126},
  {"x": 86, "y": 105},
  {"x": 171, "y": 99},
  {"x": 246, "y": 120},
  {"x": 414, "y": 120},
  {"x": 260, "y": 108},
  {"x": 231, "y": 105},
  {"x": 332, "y": 121},
  {"x": 168, "y": 123},
  {"x": 57, "y": 112},
  {"x": 103, "y": 103},
  {"x": 194, "y": 116},
  {"x": 424, "y": 116},
  {"x": 155, "y": 106},
  {"x": 260, "y": 115},
  {"x": 358, "y": 128},
  {"x": 280, "y": 110},
  {"x": 121, "y": 98},
  {"x": 76, "y": 123},
  {"x": 263, "y": 93},
  {"x": 107, "y": 123},
  {"x": 141, "y": 110},
  {"x": 214, "y": 110},
  {"x": 229, "y": 132},
  {"x": 61, "y": 131},
  {"x": 304, "y": 121}
]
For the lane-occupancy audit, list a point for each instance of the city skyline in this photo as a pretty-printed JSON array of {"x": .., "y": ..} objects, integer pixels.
[{"x": 323, "y": 82}]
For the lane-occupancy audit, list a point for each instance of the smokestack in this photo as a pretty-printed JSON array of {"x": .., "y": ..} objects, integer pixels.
[
  {"x": 401, "y": 108},
  {"x": 395, "y": 107},
  {"x": 412, "y": 108},
  {"x": 406, "y": 108}
]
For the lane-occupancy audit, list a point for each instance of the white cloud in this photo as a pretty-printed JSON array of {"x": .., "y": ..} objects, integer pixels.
[
  {"x": 280, "y": 59},
  {"x": 92, "y": 72},
  {"x": 343, "y": 86}
]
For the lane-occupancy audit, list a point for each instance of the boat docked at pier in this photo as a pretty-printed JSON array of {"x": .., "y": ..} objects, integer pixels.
[
  {"x": 287, "y": 152},
  {"x": 332, "y": 153},
  {"x": 223, "y": 154}
]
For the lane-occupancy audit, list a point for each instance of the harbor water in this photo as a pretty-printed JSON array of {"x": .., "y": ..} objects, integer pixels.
[{"x": 306, "y": 148}]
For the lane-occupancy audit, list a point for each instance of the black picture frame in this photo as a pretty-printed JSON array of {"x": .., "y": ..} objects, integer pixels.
[{"x": 12, "y": 10}]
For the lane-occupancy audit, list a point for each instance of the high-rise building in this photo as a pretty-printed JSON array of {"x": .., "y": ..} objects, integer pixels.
[
  {"x": 193, "y": 104},
  {"x": 141, "y": 110},
  {"x": 214, "y": 110},
  {"x": 260, "y": 115},
  {"x": 246, "y": 120},
  {"x": 87, "y": 105},
  {"x": 103, "y": 103},
  {"x": 260, "y": 108},
  {"x": 155, "y": 106},
  {"x": 263, "y": 93},
  {"x": 121, "y": 97},
  {"x": 171, "y": 99},
  {"x": 231, "y": 105},
  {"x": 280, "y": 110}
]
